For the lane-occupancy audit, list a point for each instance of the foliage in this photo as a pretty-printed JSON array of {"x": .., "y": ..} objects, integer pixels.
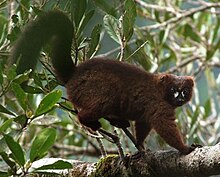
[{"x": 174, "y": 36}]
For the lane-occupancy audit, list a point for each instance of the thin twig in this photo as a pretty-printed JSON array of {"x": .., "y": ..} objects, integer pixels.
[
  {"x": 114, "y": 139},
  {"x": 117, "y": 49},
  {"x": 184, "y": 63},
  {"x": 76, "y": 150},
  {"x": 156, "y": 7},
  {"x": 83, "y": 134},
  {"x": 140, "y": 47},
  {"x": 68, "y": 109},
  {"x": 102, "y": 148}
]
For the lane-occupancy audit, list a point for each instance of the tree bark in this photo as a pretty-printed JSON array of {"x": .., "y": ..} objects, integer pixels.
[{"x": 202, "y": 162}]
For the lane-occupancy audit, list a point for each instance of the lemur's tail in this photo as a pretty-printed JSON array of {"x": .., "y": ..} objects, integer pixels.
[{"x": 53, "y": 25}]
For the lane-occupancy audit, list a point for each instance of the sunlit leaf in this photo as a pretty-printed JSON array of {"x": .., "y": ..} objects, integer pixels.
[
  {"x": 48, "y": 102},
  {"x": 111, "y": 25},
  {"x": 60, "y": 164}
]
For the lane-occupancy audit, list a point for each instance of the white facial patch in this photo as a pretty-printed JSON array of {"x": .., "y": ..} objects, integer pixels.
[
  {"x": 183, "y": 95},
  {"x": 176, "y": 94}
]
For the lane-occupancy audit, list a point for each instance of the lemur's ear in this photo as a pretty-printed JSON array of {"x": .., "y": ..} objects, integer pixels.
[{"x": 163, "y": 77}]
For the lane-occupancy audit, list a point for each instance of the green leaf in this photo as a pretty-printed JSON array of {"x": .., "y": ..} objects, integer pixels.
[
  {"x": 190, "y": 32},
  {"x": 16, "y": 150},
  {"x": 48, "y": 102},
  {"x": 38, "y": 79},
  {"x": 107, "y": 8},
  {"x": 46, "y": 120},
  {"x": 5, "y": 125},
  {"x": 8, "y": 160},
  {"x": 111, "y": 25},
  {"x": 208, "y": 108},
  {"x": 78, "y": 9},
  {"x": 94, "y": 40},
  {"x": 11, "y": 73},
  {"x": 6, "y": 111},
  {"x": 21, "y": 119},
  {"x": 60, "y": 164},
  {"x": 3, "y": 4},
  {"x": 22, "y": 77},
  {"x": 20, "y": 95},
  {"x": 4, "y": 174},
  {"x": 163, "y": 35},
  {"x": 3, "y": 145},
  {"x": 52, "y": 84},
  {"x": 127, "y": 28},
  {"x": 32, "y": 90},
  {"x": 216, "y": 31},
  {"x": 211, "y": 52},
  {"x": 42, "y": 143},
  {"x": 130, "y": 7},
  {"x": 129, "y": 19}
]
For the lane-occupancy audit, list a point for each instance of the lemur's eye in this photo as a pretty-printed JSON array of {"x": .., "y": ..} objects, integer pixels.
[{"x": 172, "y": 89}]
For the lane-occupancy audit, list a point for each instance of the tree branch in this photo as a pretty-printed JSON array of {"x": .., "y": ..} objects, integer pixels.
[
  {"x": 202, "y": 162},
  {"x": 179, "y": 17}
]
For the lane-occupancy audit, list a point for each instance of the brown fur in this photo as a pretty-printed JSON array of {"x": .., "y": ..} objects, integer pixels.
[{"x": 119, "y": 92}]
